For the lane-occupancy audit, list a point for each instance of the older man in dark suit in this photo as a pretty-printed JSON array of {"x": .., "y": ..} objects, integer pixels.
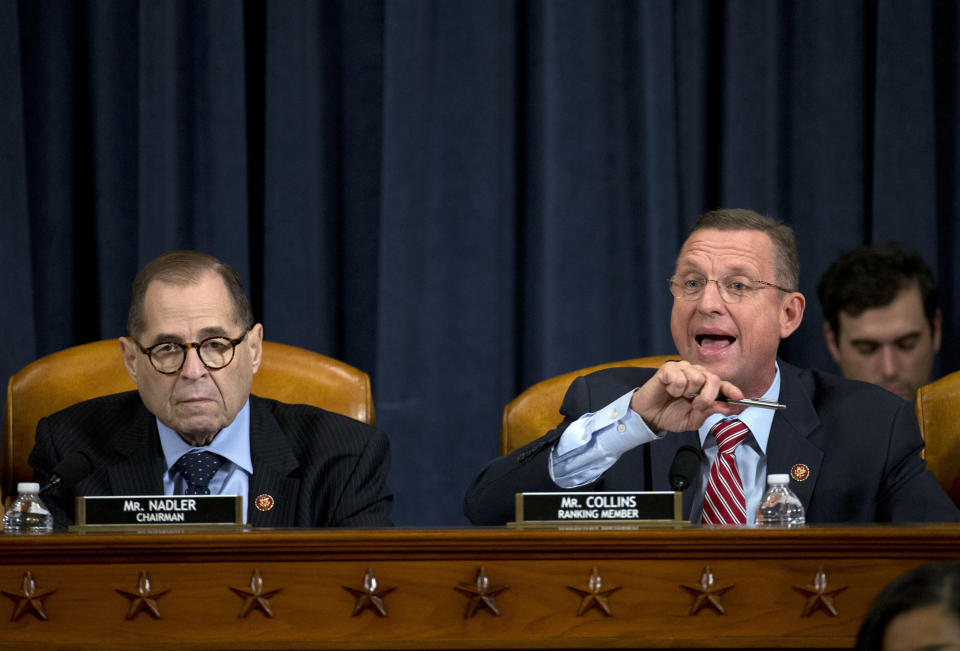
[
  {"x": 193, "y": 427},
  {"x": 851, "y": 449}
]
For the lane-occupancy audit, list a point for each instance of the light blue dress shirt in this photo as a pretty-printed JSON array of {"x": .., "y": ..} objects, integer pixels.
[
  {"x": 232, "y": 443},
  {"x": 594, "y": 442}
]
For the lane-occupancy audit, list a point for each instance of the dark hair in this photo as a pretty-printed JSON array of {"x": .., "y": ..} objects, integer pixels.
[
  {"x": 185, "y": 268},
  {"x": 784, "y": 241},
  {"x": 927, "y": 585},
  {"x": 872, "y": 276}
]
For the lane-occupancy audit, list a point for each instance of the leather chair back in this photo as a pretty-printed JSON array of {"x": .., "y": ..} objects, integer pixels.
[
  {"x": 69, "y": 376},
  {"x": 537, "y": 410},
  {"x": 938, "y": 412}
]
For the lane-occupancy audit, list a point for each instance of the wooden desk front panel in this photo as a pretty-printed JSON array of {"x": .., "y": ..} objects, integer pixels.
[{"x": 763, "y": 608}]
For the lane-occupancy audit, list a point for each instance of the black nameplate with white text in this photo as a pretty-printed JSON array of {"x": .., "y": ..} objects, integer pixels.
[
  {"x": 149, "y": 510},
  {"x": 602, "y": 506}
]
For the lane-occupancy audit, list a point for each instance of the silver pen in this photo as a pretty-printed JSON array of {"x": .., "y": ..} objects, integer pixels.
[{"x": 747, "y": 402}]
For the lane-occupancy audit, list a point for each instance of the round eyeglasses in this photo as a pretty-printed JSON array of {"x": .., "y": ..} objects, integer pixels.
[
  {"x": 168, "y": 357},
  {"x": 733, "y": 289}
]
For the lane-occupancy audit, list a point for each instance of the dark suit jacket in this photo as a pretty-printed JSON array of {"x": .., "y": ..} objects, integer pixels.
[
  {"x": 321, "y": 468},
  {"x": 860, "y": 442}
]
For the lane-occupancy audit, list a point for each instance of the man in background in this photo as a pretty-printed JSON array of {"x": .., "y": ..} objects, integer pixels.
[
  {"x": 882, "y": 323},
  {"x": 192, "y": 427}
]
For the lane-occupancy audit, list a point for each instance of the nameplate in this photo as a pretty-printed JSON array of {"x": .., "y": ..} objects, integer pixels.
[
  {"x": 599, "y": 507},
  {"x": 159, "y": 510}
]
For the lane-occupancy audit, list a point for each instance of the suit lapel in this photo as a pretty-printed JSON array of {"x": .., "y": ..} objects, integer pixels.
[
  {"x": 273, "y": 463},
  {"x": 789, "y": 450},
  {"x": 139, "y": 469}
]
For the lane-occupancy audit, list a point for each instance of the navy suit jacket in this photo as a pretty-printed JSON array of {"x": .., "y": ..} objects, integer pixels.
[
  {"x": 322, "y": 469},
  {"x": 860, "y": 442}
]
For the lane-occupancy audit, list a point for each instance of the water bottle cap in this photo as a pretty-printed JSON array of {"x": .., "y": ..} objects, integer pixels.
[
  {"x": 778, "y": 479},
  {"x": 28, "y": 487}
]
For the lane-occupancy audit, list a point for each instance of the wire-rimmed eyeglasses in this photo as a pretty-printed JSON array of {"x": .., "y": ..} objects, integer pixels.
[
  {"x": 168, "y": 357},
  {"x": 733, "y": 289}
]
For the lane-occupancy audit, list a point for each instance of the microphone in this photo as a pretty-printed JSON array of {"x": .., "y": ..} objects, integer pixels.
[
  {"x": 685, "y": 467},
  {"x": 71, "y": 469}
]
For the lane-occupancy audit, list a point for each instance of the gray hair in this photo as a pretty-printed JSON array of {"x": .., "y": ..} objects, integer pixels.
[
  {"x": 787, "y": 259},
  {"x": 185, "y": 268}
]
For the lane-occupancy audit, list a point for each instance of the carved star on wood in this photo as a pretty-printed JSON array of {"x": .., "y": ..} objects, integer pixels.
[
  {"x": 255, "y": 597},
  {"x": 370, "y": 595},
  {"x": 819, "y": 596},
  {"x": 706, "y": 592},
  {"x": 595, "y": 595},
  {"x": 144, "y": 599},
  {"x": 28, "y": 599},
  {"x": 482, "y": 594}
]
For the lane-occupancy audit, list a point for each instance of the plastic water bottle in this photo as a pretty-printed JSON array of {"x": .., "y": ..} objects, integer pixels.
[
  {"x": 780, "y": 507},
  {"x": 27, "y": 514}
]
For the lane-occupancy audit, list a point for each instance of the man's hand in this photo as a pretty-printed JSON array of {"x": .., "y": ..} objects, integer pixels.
[{"x": 681, "y": 395}]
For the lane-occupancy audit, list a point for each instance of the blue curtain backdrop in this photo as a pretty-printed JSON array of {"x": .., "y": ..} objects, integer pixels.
[{"x": 459, "y": 197}]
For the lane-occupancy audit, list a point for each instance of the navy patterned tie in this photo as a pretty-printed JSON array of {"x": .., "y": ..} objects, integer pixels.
[{"x": 198, "y": 468}]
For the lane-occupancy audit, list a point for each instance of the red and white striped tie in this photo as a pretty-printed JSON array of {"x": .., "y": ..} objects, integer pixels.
[{"x": 723, "y": 502}]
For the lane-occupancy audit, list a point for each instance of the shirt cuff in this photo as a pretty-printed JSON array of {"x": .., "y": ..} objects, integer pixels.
[{"x": 621, "y": 428}]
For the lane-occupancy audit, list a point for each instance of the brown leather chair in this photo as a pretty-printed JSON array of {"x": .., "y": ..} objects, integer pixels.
[
  {"x": 938, "y": 411},
  {"x": 537, "y": 410},
  {"x": 69, "y": 376}
]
